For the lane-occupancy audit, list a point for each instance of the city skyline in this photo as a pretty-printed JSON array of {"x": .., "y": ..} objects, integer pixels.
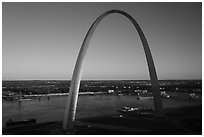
[{"x": 42, "y": 40}]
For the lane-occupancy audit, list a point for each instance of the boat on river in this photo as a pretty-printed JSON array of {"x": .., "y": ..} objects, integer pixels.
[
  {"x": 135, "y": 110},
  {"x": 10, "y": 122},
  {"x": 25, "y": 99}
]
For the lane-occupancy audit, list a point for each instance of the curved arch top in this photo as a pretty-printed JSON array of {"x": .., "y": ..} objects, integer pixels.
[{"x": 70, "y": 110}]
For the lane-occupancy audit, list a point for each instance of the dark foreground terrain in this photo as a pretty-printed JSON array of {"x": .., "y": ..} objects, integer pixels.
[{"x": 177, "y": 121}]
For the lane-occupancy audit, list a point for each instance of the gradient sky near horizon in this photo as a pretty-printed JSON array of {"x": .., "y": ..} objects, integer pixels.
[{"x": 42, "y": 40}]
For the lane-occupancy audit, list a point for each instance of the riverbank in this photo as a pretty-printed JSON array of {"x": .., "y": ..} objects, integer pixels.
[{"x": 177, "y": 121}]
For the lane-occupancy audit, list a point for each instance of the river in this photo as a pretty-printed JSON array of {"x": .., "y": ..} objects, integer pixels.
[{"x": 45, "y": 110}]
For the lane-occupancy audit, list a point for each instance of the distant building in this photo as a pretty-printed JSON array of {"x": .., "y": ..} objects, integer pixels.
[
  {"x": 110, "y": 91},
  {"x": 140, "y": 91},
  {"x": 164, "y": 94}
]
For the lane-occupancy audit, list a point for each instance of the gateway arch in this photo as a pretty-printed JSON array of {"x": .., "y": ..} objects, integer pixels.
[{"x": 70, "y": 110}]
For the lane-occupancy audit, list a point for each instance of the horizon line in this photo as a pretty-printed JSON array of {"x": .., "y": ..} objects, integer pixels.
[{"x": 88, "y": 79}]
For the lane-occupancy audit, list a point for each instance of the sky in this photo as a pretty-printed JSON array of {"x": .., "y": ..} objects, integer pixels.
[{"x": 42, "y": 40}]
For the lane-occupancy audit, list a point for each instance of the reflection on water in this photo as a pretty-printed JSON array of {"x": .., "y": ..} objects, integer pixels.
[{"x": 52, "y": 108}]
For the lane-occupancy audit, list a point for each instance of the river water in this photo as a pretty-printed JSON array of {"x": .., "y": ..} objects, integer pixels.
[{"x": 45, "y": 110}]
